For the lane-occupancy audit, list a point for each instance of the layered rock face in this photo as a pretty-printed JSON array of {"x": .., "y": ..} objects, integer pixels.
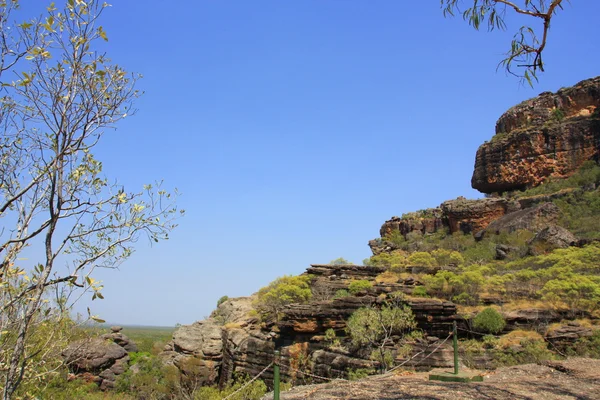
[
  {"x": 551, "y": 135},
  {"x": 233, "y": 341}
]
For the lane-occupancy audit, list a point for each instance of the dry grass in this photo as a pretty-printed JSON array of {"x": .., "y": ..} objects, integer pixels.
[
  {"x": 232, "y": 325},
  {"x": 387, "y": 277},
  {"x": 523, "y": 304},
  {"x": 516, "y": 337}
]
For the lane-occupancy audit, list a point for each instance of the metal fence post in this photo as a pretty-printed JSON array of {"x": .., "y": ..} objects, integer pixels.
[
  {"x": 455, "y": 345},
  {"x": 276, "y": 361}
]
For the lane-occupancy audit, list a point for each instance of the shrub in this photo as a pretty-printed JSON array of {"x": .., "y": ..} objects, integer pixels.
[
  {"x": 586, "y": 346},
  {"x": 281, "y": 292},
  {"x": 394, "y": 259},
  {"x": 447, "y": 257},
  {"x": 340, "y": 261},
  {"x": 489, "y": 320},
  {"x": 222, "y": 300},
  {"x": 422, "y": 258},
  {"x": 341, "y": 294},
  {"x": 359, "y": 373},
  {"x": 356, "y": 287},
  {"x": 376, "y": 327},
  {"x": 420, "y": 291}
]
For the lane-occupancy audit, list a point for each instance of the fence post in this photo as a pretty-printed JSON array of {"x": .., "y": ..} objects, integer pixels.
[
  {"x": 455, "y": 345},
  {"x": 276, "y": 361}
]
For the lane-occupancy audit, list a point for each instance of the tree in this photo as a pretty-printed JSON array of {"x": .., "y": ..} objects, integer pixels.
[
  {"x": 282, "y": 291},
  {"x": 376, "y": 326},
  {"x": 528, "y": 43},
  {"x": 340, "y": 261},
  {"x": 58, "y": 210}
]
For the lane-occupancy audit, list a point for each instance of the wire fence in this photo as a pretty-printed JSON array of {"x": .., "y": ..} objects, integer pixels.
[
  {"x": 291, "y": 370},
  {"x": 249, "y": 382}
]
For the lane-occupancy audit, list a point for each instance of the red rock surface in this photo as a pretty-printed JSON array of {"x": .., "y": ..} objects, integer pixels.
[{"x": 551, "y": 135}]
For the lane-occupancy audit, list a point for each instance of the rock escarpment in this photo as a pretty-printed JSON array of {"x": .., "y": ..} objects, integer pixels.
[
  {"x": 551, "y": 135},
  {"x": 233, "y": 341}
]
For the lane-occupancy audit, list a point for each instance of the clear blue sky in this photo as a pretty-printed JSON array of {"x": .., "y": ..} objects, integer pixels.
[{"x": 294, "y": 129}]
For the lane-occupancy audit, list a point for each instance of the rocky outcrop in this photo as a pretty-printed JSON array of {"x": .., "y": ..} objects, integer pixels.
[
  {"x": 458, "y": 215},
  {"x": 532, "y": 219},
  {"x": 551, "y": 135},
  {"x": 566, "y": 335},
  {"x": 469, "y": 216},
  {"x": 119, "y": 338},
  {"x": 425, "y": 221},
  {"x": 232, "y": 341},
  {"x": 96, "y": 360}
]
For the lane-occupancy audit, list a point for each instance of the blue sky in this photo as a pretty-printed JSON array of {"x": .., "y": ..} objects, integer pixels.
[{"x": 294, "y": 129}]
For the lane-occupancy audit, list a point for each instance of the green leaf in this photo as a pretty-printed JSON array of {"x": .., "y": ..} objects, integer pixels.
[{"x": 102, "y": 33}]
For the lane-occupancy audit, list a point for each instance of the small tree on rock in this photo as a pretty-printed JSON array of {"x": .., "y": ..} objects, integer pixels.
[{"x": 375, "y": 327}]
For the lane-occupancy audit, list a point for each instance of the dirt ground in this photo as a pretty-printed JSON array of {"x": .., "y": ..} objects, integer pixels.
[{"x": 575, "y": 378}]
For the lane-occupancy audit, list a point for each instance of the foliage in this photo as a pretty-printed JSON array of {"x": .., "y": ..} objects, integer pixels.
[
  {"x": 152, "y": 381},
  {"x": 358, "y": 286},
  {"x": 222, "y": 300},
  {"x": 150, "y": 339},
  {"x": 422, "y": 259},
  {"x": 60, "y": 96},
  {"x": 255, "y": 391},
  {"x": 489, "y": 320},
  {"x": 528, "y": 43},
  {"x": 588, "y": 174},
  {"x": 46, "y": 368},
  {"x": 340, "y": 261},
  {"x": 285, "y": 290},
  {"x": 447, "y": 257},
  {"x": 586, "y": 346},
  {"x": 578, "y": 292},
  {"x": 359, "y": 373},
  {"x": 340, "y": 294},
  {"x": 420, "y": 291},
  {"x": 375, "y": 327},
  {"x": 391, "y": 260}
]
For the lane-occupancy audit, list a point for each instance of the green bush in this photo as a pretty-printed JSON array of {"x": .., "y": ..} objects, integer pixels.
[
  {"x": 340, "y": 294},
  {"x": 254, "y": 391},
  {"x": 490, "y": 321},
  {"x": 356, "y": 287},
  {"x": 422, "y": 259},
  {"x": 586, "y": 346},
  {"x": 340, "y": 261},
  {"x": 281, "y": 292},
  {"x": 420, "y": 291},
  {"x": 222, "y": 300},
  {"x": 359, "y": 373}
]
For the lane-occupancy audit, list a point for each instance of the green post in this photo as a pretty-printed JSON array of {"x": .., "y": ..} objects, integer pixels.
[
  {"x": 455, "y": 344},
  {"x": 276, "y": 375}
]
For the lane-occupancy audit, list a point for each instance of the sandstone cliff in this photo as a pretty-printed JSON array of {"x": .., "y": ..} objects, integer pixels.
[
  {"x": 551, "y": 135},
  {"x": 233, "y": 341}
]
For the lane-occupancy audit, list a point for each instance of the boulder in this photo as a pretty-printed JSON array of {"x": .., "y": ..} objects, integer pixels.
[
  {"x": 550, "y": 238},
  {"x": 96, "y": 360}
]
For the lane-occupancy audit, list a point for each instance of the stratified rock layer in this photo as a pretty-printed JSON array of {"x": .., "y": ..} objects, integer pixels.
[
  {"x": 551, "y": 135},
  {"x": 232, "y": 341}
]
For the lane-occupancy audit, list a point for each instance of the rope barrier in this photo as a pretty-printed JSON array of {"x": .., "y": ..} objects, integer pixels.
[
  {"x": 249, "y": 382},
  {"x": 387, "y": 372},
  {"x": 424, "y": 358},
  {"x": 311, "y": 375},
  {"x": 514, "y": 337}
]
